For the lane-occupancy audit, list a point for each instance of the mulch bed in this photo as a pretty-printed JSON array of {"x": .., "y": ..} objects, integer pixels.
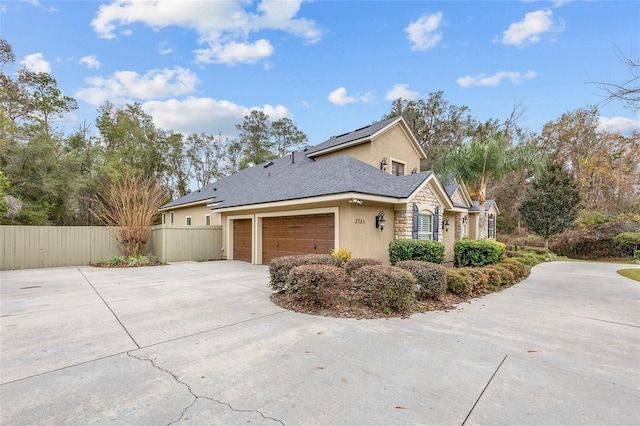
[
  {"x": 125, "y": 265},
  {"x": 339, "y": 306}
]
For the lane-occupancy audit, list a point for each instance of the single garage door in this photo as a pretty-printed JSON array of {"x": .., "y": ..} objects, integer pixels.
[
  {"x": 288, "y": 235},
  {"x": 242, "y": 239}
]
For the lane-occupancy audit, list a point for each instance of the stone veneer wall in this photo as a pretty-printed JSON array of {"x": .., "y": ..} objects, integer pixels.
[{"x": 403, "y": 219}]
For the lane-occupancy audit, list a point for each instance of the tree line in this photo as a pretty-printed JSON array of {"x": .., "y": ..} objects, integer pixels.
[
  {"x": 580, "y": 169},
  {"x": 49, "y": 177}
]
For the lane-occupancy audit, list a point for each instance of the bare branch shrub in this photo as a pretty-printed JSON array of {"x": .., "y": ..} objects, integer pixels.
[{"x": 130, "y": 203}]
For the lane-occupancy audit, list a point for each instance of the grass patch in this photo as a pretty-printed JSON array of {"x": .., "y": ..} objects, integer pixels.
[{"x": 634, "y": 274}]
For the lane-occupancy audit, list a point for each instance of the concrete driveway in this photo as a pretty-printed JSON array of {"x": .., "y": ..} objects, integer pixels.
[{"x": 200, "y": 343}]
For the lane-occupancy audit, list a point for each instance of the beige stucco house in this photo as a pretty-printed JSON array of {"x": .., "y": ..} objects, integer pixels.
[{"x": 356, "y": 191}]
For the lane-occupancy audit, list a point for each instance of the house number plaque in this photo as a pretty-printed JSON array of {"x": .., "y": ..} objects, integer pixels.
[{"x": 359, "y": 221}]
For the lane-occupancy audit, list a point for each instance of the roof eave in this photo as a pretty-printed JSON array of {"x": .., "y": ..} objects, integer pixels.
[
  {"x": 317, "y": 199},
  {"x": 339, "y": 147},
  {"x": 180, "y": 206}
]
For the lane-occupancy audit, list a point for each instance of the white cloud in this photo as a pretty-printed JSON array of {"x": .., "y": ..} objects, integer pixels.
[
  {"x": 233, "y": 52},
  {"x": 36, "y": 63},
  {"x": 339, "y": 97},
  {"x": 164, "y": 48},
  {"x": 623, "y": 125},
  {"x": 494, "y": 80},
  {"x": 281, "y": 15},
  {"x": 530, "y": 29},
  {"x": 195, "y": 115},
  {"x": 223, "y": 27},
  {"x": 90, "y": 61},
  {"x": 423, "y": 33},
  {"x": 401, "y": 91},
  {"x": 124, "y": 86}
]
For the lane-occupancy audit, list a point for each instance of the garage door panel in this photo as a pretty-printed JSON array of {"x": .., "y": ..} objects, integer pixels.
[
  {"x": 289, "y": 235},
  {"x": 242, "y": 243}
]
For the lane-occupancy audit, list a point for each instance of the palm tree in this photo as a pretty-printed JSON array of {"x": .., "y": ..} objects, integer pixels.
[{"x": 484, "y": 160}]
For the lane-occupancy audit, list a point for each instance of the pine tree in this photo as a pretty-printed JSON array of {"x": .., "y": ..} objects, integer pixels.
[{"x": 552, "y": 202}]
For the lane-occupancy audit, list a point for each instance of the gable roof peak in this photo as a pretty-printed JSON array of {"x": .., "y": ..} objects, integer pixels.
[{"x": 354, "y": 136}]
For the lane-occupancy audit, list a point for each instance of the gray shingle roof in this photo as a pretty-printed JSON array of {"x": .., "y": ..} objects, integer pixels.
[
  {"x": 451, "y": 188},
  {"x": 476, "y": 206},
  {"x": 305, "y": 178},
  {"x": 361, "y": 133}
]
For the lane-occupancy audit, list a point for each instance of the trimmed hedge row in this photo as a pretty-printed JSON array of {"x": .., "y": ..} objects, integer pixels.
[
  {"x": 354, "y": 264},
  {"x": 324, "y": 280},
  {"x": 431, "y": 278},
  {"x": 467, "y": 280},
  {"x": 280, "y": 267},
  {"x": 477, "y": 253},
  {"x": 316, "y": 283},
  {"x": 425, "y": 250},
  {"x": 385, "y": 288}
]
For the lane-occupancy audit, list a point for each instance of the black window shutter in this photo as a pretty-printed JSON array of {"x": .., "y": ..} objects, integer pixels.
[
  {"x": 416, "y": 214},
  {"x": 436, "y": 221}
]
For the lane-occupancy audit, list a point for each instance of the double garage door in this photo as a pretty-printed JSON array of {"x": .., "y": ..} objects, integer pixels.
[{"x": 286, "y": 235}]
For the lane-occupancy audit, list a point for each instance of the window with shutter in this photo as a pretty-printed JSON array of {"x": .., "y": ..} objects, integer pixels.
[{"x": 425, "y": 226}]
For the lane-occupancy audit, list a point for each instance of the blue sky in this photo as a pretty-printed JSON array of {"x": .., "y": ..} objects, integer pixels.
[{"x": 331, "y": 66}]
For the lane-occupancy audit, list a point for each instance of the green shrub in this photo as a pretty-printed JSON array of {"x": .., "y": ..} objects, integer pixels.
[
  {"x": 431, "y": 277},
  {"x": 355, "y": 264},
  {"x": 385, "y": 288},
  {"x": 507, "y": 279},
  {"x": 476, "y": 277},
  {"x": 138, "y": 260},
  {"x": 528, "y": 260},
  {"x": 280, "y": 267},
  {"x": 494, "y": 278},
  {"x": 520, "y": 270},
  {"x": 477, "y": 253},
  {"x": 425, "y": 250},
  {"x": 116, "y": 261},
  {"x": 316, "y": 284},
  {"x": 458, "y": 283},
  {"x": 628, "y": 243}
]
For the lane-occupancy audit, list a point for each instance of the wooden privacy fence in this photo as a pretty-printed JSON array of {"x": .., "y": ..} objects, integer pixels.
[
  {"x": 23, "y": 247},
  {"x": 179, "y": 243}
]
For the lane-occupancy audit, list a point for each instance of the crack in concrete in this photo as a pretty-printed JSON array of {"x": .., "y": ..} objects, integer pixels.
[{"x": 196, "y": 396}]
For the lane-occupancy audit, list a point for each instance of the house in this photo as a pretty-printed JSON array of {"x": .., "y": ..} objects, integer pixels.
[{"x": 357, "y": 191}]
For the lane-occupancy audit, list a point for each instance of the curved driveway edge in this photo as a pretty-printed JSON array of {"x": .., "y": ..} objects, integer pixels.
[{"x": 201, "y": 343}]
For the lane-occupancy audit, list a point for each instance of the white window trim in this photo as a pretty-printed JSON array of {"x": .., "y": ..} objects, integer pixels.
[
  {"x": 430, "y": 233},
  {"x": 205, "y": 219}
]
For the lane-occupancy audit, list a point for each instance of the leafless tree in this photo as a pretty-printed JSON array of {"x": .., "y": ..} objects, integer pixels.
[
  {"x": 627, "y": 91},
  {"x": 130, "y": 203}
]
